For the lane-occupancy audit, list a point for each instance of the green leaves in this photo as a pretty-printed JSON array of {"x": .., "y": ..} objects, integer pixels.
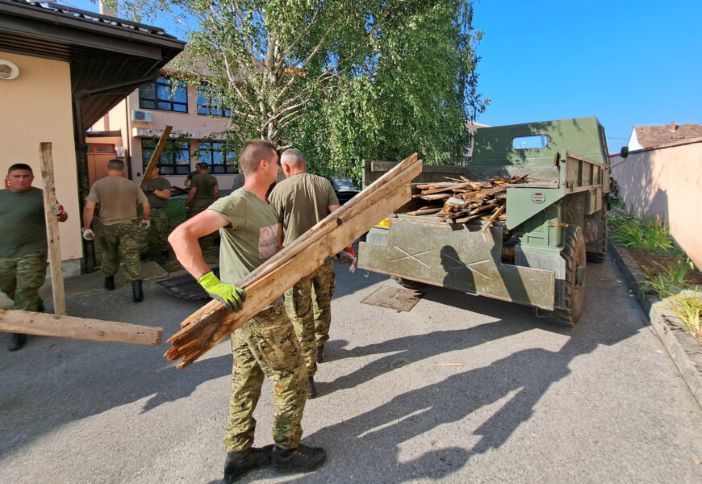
[{"x": 344, "y": 80}]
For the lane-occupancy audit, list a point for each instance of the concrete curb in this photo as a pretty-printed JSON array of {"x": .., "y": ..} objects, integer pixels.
[{"x": 683, "y": 348}]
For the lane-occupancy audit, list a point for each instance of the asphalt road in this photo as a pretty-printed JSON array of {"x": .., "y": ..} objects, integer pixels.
[{"x": 460, "y": 389}]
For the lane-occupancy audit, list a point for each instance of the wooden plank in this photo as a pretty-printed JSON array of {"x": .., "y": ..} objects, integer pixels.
[
  {"x": 213, "y": 322},
  {"x": 156, "y": 154},
  {"x": 52, "y": 229},
  {"x": 43, "y": 324}
]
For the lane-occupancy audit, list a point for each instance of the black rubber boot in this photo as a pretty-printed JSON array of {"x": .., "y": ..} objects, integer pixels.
[
  {"x": 110, "y": 283},
  {"x": 17, "y": 341},
  {"x": 320, "y": 354},
  {"x": 311, "y": 389},
  {"x": 239, "y": 463},
  {"x": 137, "y": 292},
  {"x": 301, "y": 458}
]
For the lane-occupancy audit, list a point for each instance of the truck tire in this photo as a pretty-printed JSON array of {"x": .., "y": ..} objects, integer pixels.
[
  {"x": 574, "y": 254},
  {"x": 598, "y": 248},
  {"x": 408, "y": 283}
]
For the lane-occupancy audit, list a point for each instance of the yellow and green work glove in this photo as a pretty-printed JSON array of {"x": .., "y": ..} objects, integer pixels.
[{"x": 228, "y": 294}]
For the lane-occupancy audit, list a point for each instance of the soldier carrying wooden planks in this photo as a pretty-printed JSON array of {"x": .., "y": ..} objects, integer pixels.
[{"x": 266, "y": 344}]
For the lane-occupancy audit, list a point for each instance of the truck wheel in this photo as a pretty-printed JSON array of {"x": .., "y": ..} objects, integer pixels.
[
  {"x": 408, "y": 283},
  {"x": 574, "y": 254},
  {"x": 598, "y": 248}
]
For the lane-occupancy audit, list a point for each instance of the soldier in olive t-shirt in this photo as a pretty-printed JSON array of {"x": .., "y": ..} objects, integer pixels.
[
  {"x": 250, "y": 239},
  {"x": 310, "y": 195},
  {"x": 204, "y": 190},
  {"x": 158, "y": 191},
  {"x": 300, "y": 201}
]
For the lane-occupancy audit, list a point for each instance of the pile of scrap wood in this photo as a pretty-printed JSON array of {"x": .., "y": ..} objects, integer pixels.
[{"x": 463, "y": 200}]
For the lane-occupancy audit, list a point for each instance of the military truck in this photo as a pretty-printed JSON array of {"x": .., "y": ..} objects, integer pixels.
[{"x": 554, "y": 224}]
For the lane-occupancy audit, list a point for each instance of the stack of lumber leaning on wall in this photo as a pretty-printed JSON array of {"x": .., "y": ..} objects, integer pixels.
[
  {"x": 213, "y": 323},
  {"x": 463, "y": 200}
]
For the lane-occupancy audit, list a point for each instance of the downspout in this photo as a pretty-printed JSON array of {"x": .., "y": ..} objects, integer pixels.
[{"x": 83, "y": 179}]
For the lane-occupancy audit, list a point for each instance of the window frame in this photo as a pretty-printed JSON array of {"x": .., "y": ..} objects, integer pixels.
[
  {"x": 168, "y": 158},
  {"x": 208, "y": 147},
  {"x": 204, "y": 93},
  {"x": 157, "y": 102}
]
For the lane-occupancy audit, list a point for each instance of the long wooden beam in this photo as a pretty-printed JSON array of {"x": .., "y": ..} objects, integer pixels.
[
  {"x": 52, "y": 229},
  {"x": 156, "y": 154},
  {"x": 212, "y": 323},
  {"x": 45, "y": 324}
]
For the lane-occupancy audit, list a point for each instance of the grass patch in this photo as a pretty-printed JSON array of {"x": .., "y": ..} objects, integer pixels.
[
  {"x": 650, "y": 237},
  {"x": 176, "y": 211},
  {"x": 667, "y": 281},
  {"x": 688, "y": 307}
]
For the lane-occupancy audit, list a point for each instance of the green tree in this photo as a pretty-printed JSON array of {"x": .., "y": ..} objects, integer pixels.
[{"x": 343, "y": 80}]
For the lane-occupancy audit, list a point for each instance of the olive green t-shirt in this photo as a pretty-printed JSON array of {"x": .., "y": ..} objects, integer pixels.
[
  {"x": 300, "y": 201},
  {"x": 205, "y": 185},
  {"x": 158, "y": 183},
  {"x": 251, "y": 238},
  {"x": 118, "y": 198},
  {"x": 22, "y": 223}
]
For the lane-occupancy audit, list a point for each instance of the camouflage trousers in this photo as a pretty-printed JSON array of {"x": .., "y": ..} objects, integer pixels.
[
  {"x": 312, "y": 328},
  {"x": 159, "y": 231},
  {"x": 120, "y": 241},
  {"x": 266, "y": 346},
  {"x": 20, "y": 279}
]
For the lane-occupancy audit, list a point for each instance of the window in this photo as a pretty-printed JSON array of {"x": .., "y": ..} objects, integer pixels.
[
  {"x": 214, "y": 154},
  {"x": 210, "y": 104},
  {"x": 535, "y": 142},
  {"x": 175, "y": 158},
  {"x": 164, "y": 94}
]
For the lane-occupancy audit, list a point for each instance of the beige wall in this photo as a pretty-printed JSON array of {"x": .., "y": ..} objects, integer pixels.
[
  {"x": 666, "y": 184},
  {"x": 36, "y": 107},
  {"x": 191, "y": 124}
]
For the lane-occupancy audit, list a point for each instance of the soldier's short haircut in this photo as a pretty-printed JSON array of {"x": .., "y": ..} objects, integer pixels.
[
  {"x": 293, "y": 158},
  {"x": 253, "y": 152},
  {"x": 19, "y": 166},
  {"x": 115, "y": 165}
]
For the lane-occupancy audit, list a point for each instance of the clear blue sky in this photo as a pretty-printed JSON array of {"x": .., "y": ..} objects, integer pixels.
[{"x": 625, "y": 61}]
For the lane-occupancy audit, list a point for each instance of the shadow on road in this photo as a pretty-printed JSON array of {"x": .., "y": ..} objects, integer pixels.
[
  {"x": 53, "y": 382},
  {"x": 375, "y": 438}
]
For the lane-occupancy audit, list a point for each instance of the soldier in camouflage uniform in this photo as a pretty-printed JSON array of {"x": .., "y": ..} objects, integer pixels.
[
  {"x": 266, "y": 344},
  {"x": 23, "y": 245},
  {"x": 300, "y": 201},
  {"x": 118, "y": 227},
  {"x": 204, "y": 190},
  {"x": 158, "y": 191}
]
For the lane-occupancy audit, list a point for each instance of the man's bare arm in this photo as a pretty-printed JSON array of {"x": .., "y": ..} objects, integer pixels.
[
  {"x": 191, "y": 195},
  {"x": 146, "y": 210},
  {"x": 88, "y": 214},
  {"x": 163, "y": 194},
  {"x": 184, "y": 240},
  {"x": 216, "y": 191}
]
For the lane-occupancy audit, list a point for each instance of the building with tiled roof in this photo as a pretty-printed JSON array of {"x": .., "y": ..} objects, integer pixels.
[{"x": 660, "y": 134}]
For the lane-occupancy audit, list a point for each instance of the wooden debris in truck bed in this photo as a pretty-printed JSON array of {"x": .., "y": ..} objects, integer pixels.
[{"x": 460, "y": 200}]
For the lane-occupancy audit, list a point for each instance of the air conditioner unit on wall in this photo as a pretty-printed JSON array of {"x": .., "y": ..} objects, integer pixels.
[{"x": 138, "y": 115}]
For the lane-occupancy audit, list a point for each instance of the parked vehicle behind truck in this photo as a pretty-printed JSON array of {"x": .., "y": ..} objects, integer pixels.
[{"x": 554, "y": 222}]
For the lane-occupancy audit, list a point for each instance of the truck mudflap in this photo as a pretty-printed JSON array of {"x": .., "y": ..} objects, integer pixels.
[{"x": 459, "y": 257}]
